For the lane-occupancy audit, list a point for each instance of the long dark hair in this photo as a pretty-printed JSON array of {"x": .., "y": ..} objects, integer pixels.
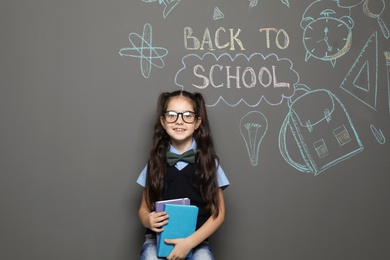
[{"x": 205, "y": 175}]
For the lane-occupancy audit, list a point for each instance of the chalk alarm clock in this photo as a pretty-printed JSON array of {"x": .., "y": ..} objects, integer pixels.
[{"x": 327, "y": 38}]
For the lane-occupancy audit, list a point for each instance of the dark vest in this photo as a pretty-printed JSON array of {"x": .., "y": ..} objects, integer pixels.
[{"x": 181, "y": 184}]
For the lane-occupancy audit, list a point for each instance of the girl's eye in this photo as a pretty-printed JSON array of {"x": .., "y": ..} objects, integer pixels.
[{"x": 188, "y": 115}]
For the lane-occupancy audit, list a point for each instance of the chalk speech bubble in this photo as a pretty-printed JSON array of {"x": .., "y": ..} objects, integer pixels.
[{"x": 238, "y": 79}]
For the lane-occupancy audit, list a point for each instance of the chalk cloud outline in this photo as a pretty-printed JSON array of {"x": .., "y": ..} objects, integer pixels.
[{"x": 223, "y": 99}]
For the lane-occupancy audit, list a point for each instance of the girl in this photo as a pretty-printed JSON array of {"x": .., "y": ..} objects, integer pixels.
[{"x": 182, "y": 125}]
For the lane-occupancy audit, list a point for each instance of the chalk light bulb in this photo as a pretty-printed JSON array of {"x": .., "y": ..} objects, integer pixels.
[{"x": 253, "y": 127}]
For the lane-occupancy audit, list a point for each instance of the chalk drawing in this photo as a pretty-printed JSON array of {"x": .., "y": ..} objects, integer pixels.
[
  {"x": 145, "y": 51},
  {"x": 379, "y": 136},
  {"x": 327, "y": 31},
  {"x": 286, "y": 2},
  {"x": 387, "y": 57},
  {"x": 253, "y": 3},
  {"x": 217, "y": 14},
  {"x": 369, "y": 13},
  {"x": 349, "y": 3},
  {"x": 253, "y": 127},
  {"x": 168, "y": 5},
  {"x": 238, "y": 79},
  {"x": 362, "y": 79},
  {"x": 324, "y": 134}
]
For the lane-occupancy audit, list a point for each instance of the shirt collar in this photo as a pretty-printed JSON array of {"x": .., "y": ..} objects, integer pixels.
[{"x": 174, "y": 150}]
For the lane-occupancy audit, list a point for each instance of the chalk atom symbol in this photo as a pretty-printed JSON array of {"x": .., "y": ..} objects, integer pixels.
[{"x": 145, "y": 51}]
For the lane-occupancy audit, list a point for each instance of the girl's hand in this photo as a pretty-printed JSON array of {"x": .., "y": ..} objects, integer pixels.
[
  {"x": 181, "y": 249},
  {"x": 156, "y": 220}
]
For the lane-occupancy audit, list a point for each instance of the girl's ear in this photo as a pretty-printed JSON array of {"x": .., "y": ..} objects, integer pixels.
[
  {"x": 162, "y": 122},
  {"x": 198, "y": 122}
]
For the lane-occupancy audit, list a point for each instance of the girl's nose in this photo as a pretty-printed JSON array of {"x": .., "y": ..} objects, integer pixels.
[{"x": 180, "y": 119}]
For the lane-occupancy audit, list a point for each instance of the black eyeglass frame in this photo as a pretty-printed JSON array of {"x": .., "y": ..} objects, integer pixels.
[{"x": 182, "y": 116}]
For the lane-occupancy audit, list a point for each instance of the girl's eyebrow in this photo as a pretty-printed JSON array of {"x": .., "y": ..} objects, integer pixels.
[{"x": 180, "y": 112}]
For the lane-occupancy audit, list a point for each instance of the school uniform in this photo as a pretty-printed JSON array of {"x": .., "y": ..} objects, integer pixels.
[{"x": 180, "y": 184}]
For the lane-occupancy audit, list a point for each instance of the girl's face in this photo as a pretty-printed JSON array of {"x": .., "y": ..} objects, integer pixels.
[{"x": 179, "y": 131}]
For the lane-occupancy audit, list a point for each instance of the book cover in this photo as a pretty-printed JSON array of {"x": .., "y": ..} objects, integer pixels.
[
  {"x": 161, "y": 203},
  {"x": 181, "y": 224},
  {"x": 160, "y": 207}
]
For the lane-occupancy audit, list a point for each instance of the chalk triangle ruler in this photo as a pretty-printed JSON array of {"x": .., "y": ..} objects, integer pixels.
[{"x": 362, "y": 79}]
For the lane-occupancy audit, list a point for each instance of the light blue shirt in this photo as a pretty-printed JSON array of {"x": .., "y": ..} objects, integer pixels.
[{"x": 223, "y": 182}]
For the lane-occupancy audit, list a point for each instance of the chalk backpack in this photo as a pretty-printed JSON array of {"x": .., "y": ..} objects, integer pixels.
[{"x": 322, "y": 130}]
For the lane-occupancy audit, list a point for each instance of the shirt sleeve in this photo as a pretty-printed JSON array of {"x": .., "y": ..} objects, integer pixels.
[
  {"x": 223, "y": 181},
  {"x": 141, "y": 180}
]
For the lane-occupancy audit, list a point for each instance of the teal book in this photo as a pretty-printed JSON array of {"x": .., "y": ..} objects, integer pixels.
[
  {"x": 160, "y": 207},
  {"x": 181, "y": 224}
]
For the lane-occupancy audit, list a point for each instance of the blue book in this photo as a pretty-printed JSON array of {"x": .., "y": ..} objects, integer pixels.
[
  {"x": 160, "y": 207},
  {"x": 181, "y": 224}
]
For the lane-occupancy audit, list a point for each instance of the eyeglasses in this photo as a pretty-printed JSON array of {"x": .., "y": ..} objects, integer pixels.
[{"x": 172, "y": 116}]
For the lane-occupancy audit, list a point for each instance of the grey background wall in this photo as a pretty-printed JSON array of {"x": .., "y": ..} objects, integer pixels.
[{"x": 79, "y": 82}]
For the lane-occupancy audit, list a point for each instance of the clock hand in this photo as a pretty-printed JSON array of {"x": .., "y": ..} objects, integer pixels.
[
  {"x": 326, "y": 31},
  {"x": 327, "y": 43},
  {"x": 326, "y": 39}
]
